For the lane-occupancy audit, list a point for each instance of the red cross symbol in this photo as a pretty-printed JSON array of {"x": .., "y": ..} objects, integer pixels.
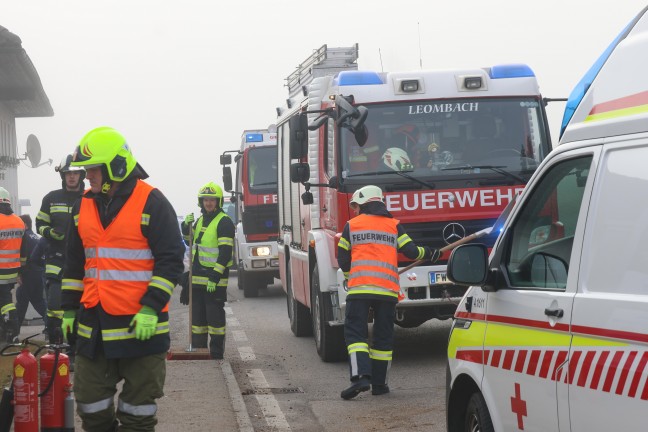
[{"x": 518, "y": 406}]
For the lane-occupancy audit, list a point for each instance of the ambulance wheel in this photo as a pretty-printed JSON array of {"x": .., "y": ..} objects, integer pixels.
[
  {"x": 329, "y": 340},
  {"x": 251, "y": 287},
  {"x": 297, "y": 312},
  {"x": 478, "y": 418}
]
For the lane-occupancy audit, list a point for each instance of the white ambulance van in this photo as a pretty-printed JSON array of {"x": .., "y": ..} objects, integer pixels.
[{"x": 552, "y": 335}]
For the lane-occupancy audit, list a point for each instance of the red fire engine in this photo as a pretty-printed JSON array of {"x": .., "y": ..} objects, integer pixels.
[
  {"x": 449, "y": 148},
  {"x": 256, "y": 216}
]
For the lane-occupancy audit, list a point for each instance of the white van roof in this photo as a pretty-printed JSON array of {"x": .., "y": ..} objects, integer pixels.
[{"x": 612, "y": 98}]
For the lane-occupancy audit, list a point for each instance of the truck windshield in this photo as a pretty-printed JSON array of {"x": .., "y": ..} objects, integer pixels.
[
  {"x": 450, "y": 138},
  {"x": 262, "y": 169}
]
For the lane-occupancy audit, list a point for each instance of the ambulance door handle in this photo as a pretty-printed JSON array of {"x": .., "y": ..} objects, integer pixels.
[{"x": 558, "y": 313}]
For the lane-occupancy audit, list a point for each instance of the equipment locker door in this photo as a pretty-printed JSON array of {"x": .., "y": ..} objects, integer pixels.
[{"x": 527, "y": 339}]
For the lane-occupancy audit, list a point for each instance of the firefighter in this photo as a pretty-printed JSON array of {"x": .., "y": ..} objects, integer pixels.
[
  {"x": 12, "y": 230},
  {"x": 52, "y": 223},
  {"x": 123, "y": 258},
  {"x": 368, "y": 256},
  {"x": 211, "y": 258},
  {"x": 32, "y": 274}
]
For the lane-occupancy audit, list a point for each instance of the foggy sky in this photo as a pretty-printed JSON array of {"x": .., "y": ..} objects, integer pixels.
[{"x": 181, "y": 80}]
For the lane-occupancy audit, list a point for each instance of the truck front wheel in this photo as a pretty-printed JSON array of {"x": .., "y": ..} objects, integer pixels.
[
  {"x": 297, "y": 312},
  {"x": 329, "y": 340}
]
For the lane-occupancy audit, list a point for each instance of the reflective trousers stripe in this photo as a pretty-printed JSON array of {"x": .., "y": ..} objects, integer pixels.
[
  {"x": 95, "y": 407},
  {"x": 137, "y": 410}
]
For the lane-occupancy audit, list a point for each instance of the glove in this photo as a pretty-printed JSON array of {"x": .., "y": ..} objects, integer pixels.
[
  {"x": 189, "y": 219},
  {"x": 184, "y": 293},
  {"x": 211, "y": 286},
  {"x": 69, "y": 316},
  {"x": 56, "y": 235},
  {"x": 434, "y": 255},
  {"x": 144, "y": 323}
]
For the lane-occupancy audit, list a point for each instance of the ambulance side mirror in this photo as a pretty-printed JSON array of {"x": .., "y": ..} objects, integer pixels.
[
  {"x": 468, "y": 265},
  {"x": 225, "y": 159}
]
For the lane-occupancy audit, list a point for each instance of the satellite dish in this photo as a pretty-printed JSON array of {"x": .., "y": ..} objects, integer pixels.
[{"x": 33, "y": 150}]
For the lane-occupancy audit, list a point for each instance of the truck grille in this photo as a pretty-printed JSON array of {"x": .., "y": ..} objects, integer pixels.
[{"x": 263, "y": 219}]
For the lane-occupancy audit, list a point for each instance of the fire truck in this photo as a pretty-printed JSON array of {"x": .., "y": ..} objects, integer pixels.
[
  {"x": 449, "y": 148},
  {"x": 255, "y": 196}
]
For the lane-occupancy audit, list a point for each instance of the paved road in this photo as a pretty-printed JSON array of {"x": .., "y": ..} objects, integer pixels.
[{"x": 271, "y": 380}]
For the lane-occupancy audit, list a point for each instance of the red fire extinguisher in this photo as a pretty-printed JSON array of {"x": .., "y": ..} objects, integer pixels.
[
  {"x": 55, "y": 389},
  {"x": 24, "y": 389},
  {"x": 21, "y": 401}
]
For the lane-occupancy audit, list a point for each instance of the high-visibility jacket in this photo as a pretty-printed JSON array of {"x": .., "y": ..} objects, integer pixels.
[
  {"x": 12, "y": 229},
  {"x": 119, "y": 263},
  {"x": 207, "y": 244},
  {"x": 374, "y": 255}
]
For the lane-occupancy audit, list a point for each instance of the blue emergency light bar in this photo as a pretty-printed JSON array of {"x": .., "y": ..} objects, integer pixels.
[
  {"x": 511, "y": 71},
  {"x": 354, "y": 78},
  {"x": 253, "y": 137}
]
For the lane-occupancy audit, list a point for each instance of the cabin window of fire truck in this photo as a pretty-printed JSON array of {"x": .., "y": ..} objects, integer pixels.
[
  {"x": 508, "y": 133},
  {"x": 262, "y": 169}
]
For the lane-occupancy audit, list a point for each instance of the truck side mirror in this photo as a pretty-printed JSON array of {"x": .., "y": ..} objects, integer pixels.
[
  {"x": 298, "y": 125},
  {"x": 225, "y": 159},
  {"x": 227, "y": 178},
  {"x": 299, "y": 172}
]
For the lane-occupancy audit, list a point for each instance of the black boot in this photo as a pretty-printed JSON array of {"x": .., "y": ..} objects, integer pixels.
[
  {"x": 13, "y": 327},
  {"x": 358, "y": 386},
  {"x": 379, "y": 389}
]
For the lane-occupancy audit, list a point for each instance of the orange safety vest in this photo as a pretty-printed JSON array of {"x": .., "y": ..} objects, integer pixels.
[
  {"x": 12, "y": 229},
  {"x": 374, "y": 254},
  {"x": 119, "y": 262}
]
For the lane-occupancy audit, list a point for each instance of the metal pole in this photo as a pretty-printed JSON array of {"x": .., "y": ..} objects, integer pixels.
[{"x": 190, "y": 348}]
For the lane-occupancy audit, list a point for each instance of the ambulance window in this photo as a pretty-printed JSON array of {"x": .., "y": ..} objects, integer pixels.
[
  {"x": 541, "y": 238},
  {"x": 617, "y": 226}
]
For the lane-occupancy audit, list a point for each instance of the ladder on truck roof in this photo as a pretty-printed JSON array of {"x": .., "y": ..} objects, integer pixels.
[{"x": 324, "y": 61}]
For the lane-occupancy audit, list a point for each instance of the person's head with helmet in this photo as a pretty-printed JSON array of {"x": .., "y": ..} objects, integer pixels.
[
  {"x": 397, "y": 159},
  {"x": 5, "y": 201},
  {"x": 107, "y": 159},
  {"x": 368, "y": 199},
  {"x": 210, "y": 198},
  {"x": 71, "y": 176}
]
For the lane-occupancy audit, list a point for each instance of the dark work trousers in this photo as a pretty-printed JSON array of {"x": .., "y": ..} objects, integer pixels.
[
  {"x": 369, "y": 358},
  {"x": 208, "y": 318},
  {"x": 95, "y": 385},
  {"x": 8, "y": 315},
  {"x": 54, "y": 311},
  {"x": 31, "y": 290}
]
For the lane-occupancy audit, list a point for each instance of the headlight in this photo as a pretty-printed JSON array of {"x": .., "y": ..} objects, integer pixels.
[{"x": 261, "y": 251}]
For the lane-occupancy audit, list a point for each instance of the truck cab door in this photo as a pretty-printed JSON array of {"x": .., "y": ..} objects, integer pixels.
[
  {"x": 328, "y": 196},
  {"x": 527, "y": 338}
]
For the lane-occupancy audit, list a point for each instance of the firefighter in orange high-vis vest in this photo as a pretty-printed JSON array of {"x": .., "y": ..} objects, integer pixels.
[
  {"x": 12, "y": 230},
  {"x": 124, "y": 256},
  {"x": 211, "y": 258},
  {"x": 368, "y": 256}
]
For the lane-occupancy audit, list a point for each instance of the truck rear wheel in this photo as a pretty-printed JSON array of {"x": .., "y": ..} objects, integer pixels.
[
  {"x": 329, "y": 340},
  {"x": 297, "y": 313}
]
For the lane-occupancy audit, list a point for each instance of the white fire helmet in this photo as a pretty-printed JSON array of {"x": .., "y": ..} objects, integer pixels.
[
  {"x": 367, "y": 194},
  {"x": 5, "y": 197},
  {"x": 397, "y": 159}
]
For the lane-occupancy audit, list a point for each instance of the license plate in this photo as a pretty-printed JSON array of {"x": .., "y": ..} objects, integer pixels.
[{"x": 438, "y": 278}]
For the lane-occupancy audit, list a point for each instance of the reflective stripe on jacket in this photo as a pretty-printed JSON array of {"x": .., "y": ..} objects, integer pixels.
[
  {"x": 12, "y": 229},
  {"x": 119, "y": 262},
  {"x": 374, "y": 255}
]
